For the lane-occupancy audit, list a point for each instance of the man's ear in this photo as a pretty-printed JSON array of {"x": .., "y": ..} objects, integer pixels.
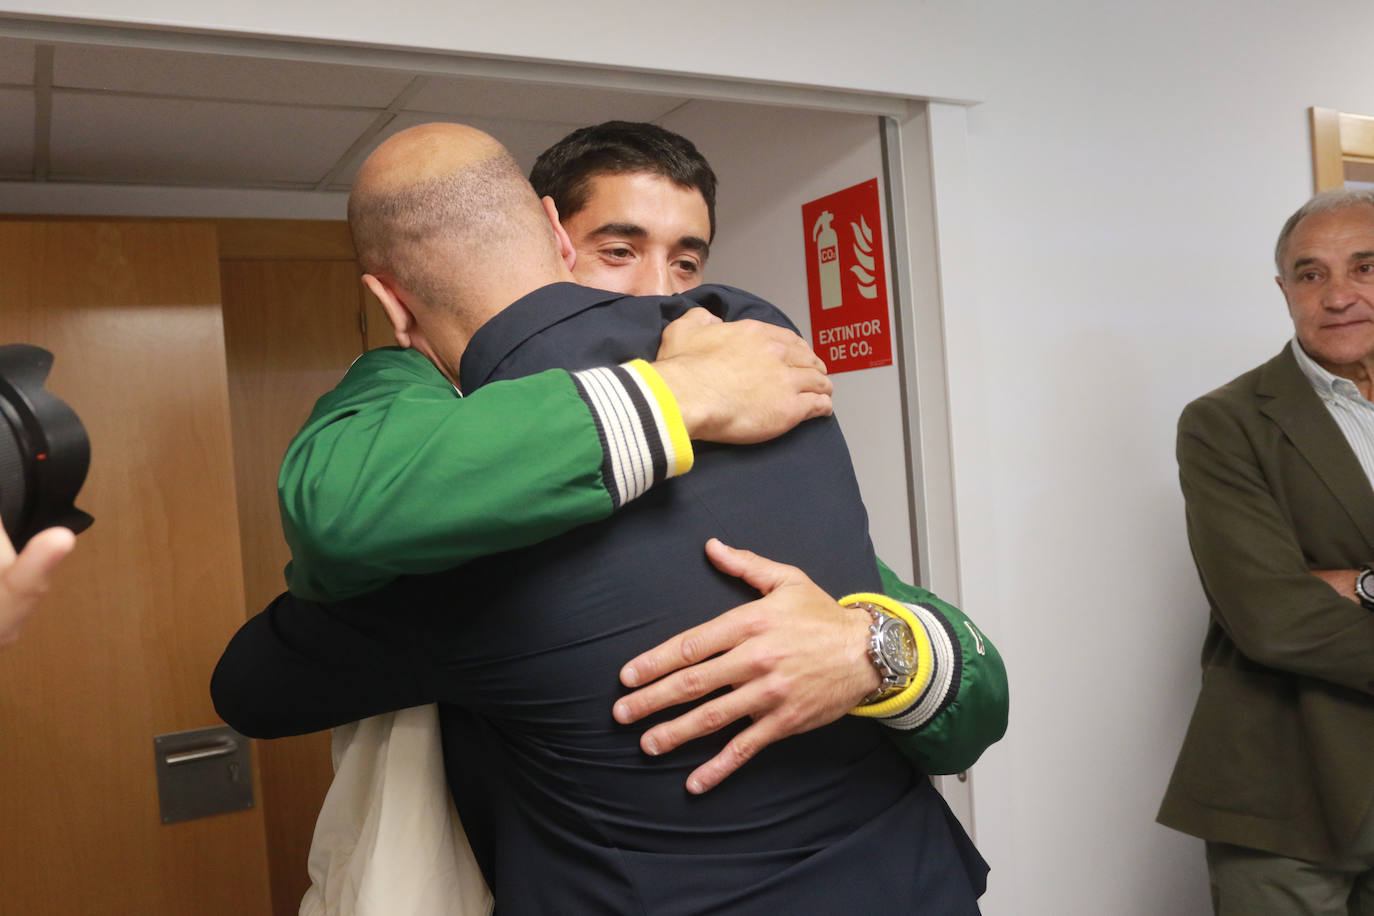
[
  {"x": 397, "y": 312},
  {"x": 565, "y": 246}
]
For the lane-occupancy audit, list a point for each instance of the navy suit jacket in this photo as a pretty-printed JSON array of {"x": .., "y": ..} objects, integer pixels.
[{"x": 564, "y": 811}]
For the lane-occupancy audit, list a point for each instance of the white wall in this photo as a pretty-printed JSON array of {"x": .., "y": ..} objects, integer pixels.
[{"x": 1131, "y": 167}]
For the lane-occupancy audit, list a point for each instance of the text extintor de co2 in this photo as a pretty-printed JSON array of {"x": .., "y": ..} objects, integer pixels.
[{"x": 846, "y": 279}]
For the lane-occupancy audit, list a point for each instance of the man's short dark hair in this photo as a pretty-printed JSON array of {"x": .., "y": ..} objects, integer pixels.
[{"x": 564, "y": 170}]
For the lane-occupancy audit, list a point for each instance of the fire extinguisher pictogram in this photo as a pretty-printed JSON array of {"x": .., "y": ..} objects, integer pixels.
[
  {"x": 846, "y": 288},
  {"x": 828, "y": 257}
]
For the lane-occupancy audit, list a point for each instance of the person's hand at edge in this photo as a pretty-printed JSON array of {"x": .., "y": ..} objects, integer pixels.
[
  {"x": 24, "y": 579},
  {"x": 796, "y": 659}
]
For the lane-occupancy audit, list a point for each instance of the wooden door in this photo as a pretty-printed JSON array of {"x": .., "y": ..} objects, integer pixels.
[
  {"x": 123, "y": 646},
  {"x": 292, "y": 311}
]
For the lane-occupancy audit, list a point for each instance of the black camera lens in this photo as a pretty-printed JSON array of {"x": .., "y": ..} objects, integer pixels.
[{"x": 44, "y": 452}]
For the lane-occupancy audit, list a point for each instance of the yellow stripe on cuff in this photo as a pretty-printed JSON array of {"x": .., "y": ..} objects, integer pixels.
[
  {"x": 925, "y": 658},
  {"x": 672, "y": 416}
]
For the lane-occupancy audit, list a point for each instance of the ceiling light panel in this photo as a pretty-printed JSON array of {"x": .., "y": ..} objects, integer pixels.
[
  {"x": 216, "y": 76},
  {"x": 97, "y": 137}
]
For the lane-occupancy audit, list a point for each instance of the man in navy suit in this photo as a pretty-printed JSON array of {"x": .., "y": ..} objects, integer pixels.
[{"x": 564, "y": 811}]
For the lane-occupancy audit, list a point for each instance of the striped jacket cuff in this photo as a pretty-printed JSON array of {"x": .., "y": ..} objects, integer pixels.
[
  {"x": 643, "y": 438},
  {"x": 928, "y": 696}
]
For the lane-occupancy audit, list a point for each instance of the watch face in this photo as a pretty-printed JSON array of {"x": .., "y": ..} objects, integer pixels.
[{"x": 898, "y": 646}]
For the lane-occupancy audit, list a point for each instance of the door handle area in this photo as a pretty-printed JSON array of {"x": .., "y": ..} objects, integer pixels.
[
  {"x": 221, "y": 748},
  {"x": 202, "y": 772}
]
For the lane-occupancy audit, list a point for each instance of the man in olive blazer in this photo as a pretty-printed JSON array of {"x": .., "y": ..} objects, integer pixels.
[{"x": 1277, "y": 769}]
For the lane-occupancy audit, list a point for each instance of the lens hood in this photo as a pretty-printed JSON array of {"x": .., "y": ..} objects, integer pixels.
[{"x": 44, "y": 452}]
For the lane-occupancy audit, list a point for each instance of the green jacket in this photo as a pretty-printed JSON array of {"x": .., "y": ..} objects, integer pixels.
[
  {"x": 1277, "y": 756},
  {"x": 396, "y": 473}
]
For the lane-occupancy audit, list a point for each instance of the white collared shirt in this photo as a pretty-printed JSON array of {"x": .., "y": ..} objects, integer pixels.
[{"x": 1352, "y": 413}]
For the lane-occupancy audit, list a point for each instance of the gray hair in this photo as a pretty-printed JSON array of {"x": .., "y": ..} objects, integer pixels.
[{"x": 1324, "y": 202}]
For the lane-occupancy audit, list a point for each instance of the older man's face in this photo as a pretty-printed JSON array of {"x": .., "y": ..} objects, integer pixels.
[
  {"x": 1328, "y": 280},
  {"x": 640, "y": 234}
]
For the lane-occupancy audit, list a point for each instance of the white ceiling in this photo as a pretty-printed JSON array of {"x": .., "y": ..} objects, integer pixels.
[{"x": 74, "y": 113}]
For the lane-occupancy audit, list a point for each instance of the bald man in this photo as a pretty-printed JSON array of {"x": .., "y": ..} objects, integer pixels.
[
  {"x": 535, "y": 666},
  {"x": 640, "y": 200}
]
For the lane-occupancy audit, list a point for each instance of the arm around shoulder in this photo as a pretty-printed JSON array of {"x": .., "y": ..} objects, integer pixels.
[
  {"x": 395, "y": 473},
  {"x": 299, "y": 667}
]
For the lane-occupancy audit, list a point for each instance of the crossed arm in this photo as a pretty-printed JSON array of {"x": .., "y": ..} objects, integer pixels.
[{"x": 1278, "y": 611}]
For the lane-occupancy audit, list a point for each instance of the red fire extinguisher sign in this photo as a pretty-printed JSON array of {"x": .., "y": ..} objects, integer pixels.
[{"x": 846, "y": 279}]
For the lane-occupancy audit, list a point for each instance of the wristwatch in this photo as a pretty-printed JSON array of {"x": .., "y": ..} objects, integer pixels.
[
  {"x": 892, "y": 649},
  {"x": 1364, "y": 588}
]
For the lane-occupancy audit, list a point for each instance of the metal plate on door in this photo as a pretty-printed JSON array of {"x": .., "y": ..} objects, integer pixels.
[{"x": 202, "y": 772}]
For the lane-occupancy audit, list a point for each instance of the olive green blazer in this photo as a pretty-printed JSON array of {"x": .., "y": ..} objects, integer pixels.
[{"x": 1279, "y": 755}]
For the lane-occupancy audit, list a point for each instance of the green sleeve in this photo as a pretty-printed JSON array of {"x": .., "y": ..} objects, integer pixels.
[
  {"x": 965, "y": 709},
  {"x": 396, "y": 473}
]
